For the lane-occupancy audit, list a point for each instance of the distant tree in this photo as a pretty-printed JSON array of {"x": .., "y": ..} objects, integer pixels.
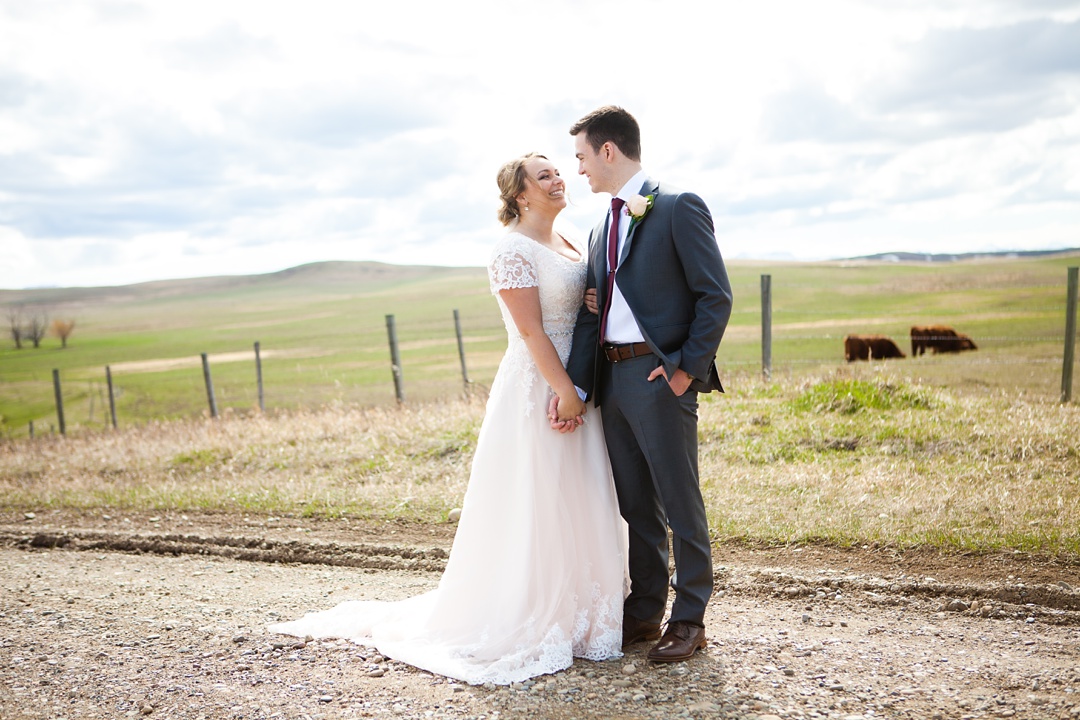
[
  {"x": 62, "y": 329},
  {"x": 14, "y": 315},
  {"x": 36, "y": 329}
]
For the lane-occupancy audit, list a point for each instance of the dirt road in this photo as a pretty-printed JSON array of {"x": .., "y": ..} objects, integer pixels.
[{"x": 164, "y": 616}]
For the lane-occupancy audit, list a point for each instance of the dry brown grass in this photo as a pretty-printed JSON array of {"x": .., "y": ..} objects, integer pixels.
[
  {"x": 389, "y": 462},
  {"x": 802, "y": 461},
  {"x": 857, "y": 457}
]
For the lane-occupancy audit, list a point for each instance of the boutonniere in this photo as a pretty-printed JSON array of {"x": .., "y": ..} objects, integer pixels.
[{"x": 638, "y": 207}]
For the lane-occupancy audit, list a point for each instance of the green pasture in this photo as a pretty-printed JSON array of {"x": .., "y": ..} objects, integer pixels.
[{"x": 323, "y": 335}]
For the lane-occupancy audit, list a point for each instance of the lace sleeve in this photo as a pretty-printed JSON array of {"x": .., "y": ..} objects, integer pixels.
[{"x": 511, "y": 267}]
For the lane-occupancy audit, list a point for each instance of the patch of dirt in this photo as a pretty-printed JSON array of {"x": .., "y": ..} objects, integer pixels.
[
  {"x": 886, "y": 561},
  {"x": 109, "y": 614},
  {"x": 163, "y": 364}
]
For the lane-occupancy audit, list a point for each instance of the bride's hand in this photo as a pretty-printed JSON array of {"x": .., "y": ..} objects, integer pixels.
[
  {"x": 571, "y": 408},
  {"x": 553, "y": 417},
  {"x": 590, "y": 301},
  {"x": 563, "y": 426}
]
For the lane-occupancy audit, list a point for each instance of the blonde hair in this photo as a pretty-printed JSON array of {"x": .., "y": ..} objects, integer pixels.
[{"x": 512, "y": 178}]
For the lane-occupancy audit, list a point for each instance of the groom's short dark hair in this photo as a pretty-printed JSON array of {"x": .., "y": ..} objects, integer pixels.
[{"x": 611, "y": 124}]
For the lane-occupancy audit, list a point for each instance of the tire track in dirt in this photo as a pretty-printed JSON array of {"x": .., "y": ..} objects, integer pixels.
[
  {"x": 1057, "y": 604},
  {"x": 253, "y": 549}
]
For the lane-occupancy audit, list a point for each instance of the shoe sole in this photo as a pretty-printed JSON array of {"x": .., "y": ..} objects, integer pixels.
[
  {"x": 641, "y": 638},
  {"x": 679, "y": 658}
]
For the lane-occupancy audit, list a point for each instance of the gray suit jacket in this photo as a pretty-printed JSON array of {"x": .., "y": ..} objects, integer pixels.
[{"x": 674, "y": 280}]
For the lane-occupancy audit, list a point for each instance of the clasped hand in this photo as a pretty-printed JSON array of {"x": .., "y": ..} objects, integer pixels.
[{"x": 566, "y": 416}]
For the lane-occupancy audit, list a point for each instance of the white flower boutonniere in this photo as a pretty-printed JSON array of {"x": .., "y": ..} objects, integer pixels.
[{"x": 638, "y": 207}]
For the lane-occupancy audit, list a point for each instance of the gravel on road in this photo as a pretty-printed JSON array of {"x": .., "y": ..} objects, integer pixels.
[{"x": 166, "y": 617}]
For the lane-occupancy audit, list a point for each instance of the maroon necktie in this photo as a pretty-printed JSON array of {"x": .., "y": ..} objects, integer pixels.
[{"x": 612, "y": 260}]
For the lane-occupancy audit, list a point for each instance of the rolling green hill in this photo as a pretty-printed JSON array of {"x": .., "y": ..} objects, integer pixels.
[{"x": 322, "y": 331}]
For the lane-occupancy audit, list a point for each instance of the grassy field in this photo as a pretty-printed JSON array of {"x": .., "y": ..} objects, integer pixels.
[
  {"x": 321, "y": 329},
  {"x": 322, "y": 332},
  {"x": 968, "y": 452},
  {"x": 856, "y": 456}
]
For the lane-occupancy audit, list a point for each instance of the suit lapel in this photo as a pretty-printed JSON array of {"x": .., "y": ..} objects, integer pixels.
[
  {"x": 598, "y": 250},
  {"x": 649, "y": 188}
]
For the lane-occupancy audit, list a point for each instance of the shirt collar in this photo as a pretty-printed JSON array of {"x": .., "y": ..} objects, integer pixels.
[{"x": 632, "y": 186}]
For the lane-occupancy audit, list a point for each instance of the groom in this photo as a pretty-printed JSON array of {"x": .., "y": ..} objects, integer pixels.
[{"x": 663, "y": 301}]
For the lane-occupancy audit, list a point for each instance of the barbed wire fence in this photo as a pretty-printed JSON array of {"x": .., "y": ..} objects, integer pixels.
[
  {"x": 945, "y": 343},
  {"x": 826, "y": 346}
]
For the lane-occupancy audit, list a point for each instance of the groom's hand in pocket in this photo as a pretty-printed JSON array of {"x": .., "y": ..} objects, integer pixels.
[{"x": 678, "y": 384}]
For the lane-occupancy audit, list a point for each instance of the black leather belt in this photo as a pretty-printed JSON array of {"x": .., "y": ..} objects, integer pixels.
[{"x": 618, "y": 353}]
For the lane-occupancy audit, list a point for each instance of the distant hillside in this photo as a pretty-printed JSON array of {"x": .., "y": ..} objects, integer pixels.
[
  {"x": 957, "y": 257},
  {"x": 348, "y": 277},
  {"x": 361, "y": 276}
]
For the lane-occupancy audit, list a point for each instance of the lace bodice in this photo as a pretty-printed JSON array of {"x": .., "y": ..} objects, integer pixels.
[{"x": 518, "y": 261}]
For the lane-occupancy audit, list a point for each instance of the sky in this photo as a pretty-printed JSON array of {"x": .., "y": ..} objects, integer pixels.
[{"x": 145, "y": 140}]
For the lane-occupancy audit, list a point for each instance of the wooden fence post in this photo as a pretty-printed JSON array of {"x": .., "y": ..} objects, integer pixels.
[
  {"x": 59, "y": 401},
  {"x": 112, "y": 396},
  {"x": 209, "y": 385},
  {"x": 766, "y": 326},
  {"x": 90, "y": 398},
  {"x": 461, "y": 349},
  {"x": 258, "y": 376},
  {"x": 395, "y": 359},
  {"x": 1070, "y": 335},
  {"x": 31, "y": 429}
]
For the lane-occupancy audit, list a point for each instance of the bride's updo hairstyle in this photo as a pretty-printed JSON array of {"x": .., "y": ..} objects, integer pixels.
[{"x": 512, "y": 178}]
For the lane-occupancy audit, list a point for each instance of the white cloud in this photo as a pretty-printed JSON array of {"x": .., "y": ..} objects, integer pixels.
[{"x": 141, "y": 140}]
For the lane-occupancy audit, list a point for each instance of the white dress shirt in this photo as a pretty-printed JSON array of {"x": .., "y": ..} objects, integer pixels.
[{"x": 621, "y": 326}]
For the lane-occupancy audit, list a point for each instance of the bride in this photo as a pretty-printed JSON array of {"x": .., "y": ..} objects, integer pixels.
[{"x": 536, "y": 574}]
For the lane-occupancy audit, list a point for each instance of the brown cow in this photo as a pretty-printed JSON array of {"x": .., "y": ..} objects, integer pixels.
[
  {"x": 963, "y": 342},
  {"x": 940, "y": 339},
  {"x": 870, "y": 347}
]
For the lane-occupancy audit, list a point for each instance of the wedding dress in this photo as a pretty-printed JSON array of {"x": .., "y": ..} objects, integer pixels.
[{"x": 537, "y": 572}]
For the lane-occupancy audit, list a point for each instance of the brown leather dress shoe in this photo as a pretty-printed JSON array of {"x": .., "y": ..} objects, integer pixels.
[
  {"x": 680, "y": 642},
  {"x": 634, "y": 630}
]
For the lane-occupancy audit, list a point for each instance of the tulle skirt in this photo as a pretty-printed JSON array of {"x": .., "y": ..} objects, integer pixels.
[{"x": 537, "y": 572}]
